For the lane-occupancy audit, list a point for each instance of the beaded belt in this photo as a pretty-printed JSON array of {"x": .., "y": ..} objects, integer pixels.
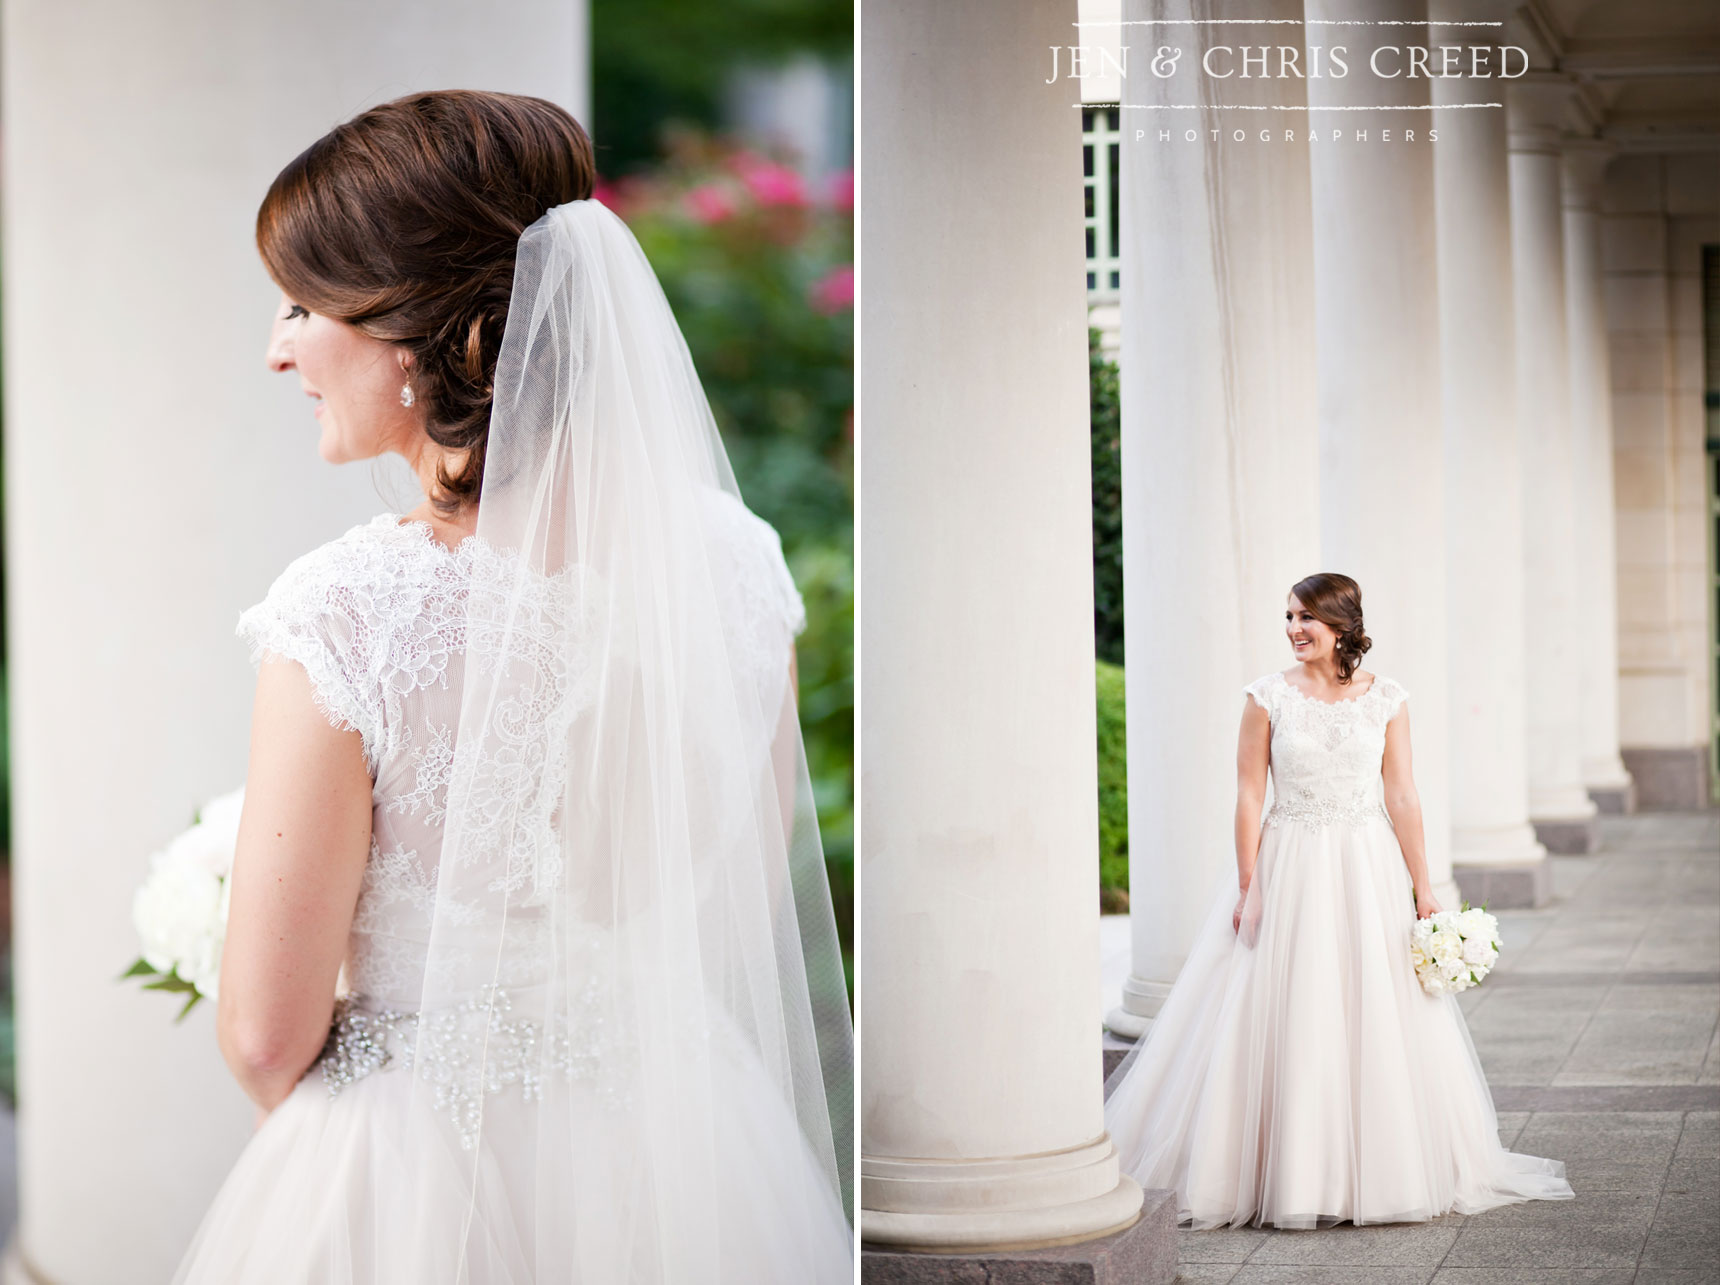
[
  {"x": 1325, "y": 811},
  {"x": 471, "y": 1050}
]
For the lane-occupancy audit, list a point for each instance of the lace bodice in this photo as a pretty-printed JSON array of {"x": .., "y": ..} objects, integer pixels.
[
  {"x": 1326, "y": 756},
  {"x": 379, "y": 619}
]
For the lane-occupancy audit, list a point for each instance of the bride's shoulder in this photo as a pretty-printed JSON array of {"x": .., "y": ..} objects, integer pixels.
[
  {"x": 1263, "y": 691},
  {"x": 1388, "y": 690},
  {"x": 357, "y": 549},
  {"x": 752, "y": 550}
]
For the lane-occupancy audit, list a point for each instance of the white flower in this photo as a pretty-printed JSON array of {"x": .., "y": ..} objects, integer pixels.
[
  {"x": 1446, "y": 947},
  {"x": 1479, "y": 952},
  {"x": 1477, "y": 923},
  {"x": 180, "y": 912},
  {"x": 175, "y": 909},
  {"x": 1452, "y": 969},
  {"x": 211, "y": 841}
]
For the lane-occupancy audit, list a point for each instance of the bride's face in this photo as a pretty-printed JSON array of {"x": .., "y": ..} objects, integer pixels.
[
  {"x": 353, "y": 380},
  {"x": 1310, "y": 639}
]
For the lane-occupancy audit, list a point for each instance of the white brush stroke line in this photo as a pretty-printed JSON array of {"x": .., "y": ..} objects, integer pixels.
[
  {"x": 1216, "y": 107},
  {"x": 1282, "y": 22}
]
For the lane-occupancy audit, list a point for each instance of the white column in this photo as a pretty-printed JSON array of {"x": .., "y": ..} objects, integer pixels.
[
  {"x": 1603, "y": 772},
  {"x": 1559, "y": 805},
  {"x": 982, "y": 1122},
  {"x": 1495, "y": 855},
  {"x": 157, "y": 479},
  {"x": 1220, "y": 456},
  {"x": 1382, "y": 493}
]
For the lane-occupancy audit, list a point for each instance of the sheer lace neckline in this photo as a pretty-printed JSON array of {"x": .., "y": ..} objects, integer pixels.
[
  {"x": 1315, "y": 700},
  {"x": 426, "y": 532}
]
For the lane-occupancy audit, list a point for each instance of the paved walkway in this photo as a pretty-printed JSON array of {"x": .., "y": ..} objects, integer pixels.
[{"x": 1598, "y": 1035}]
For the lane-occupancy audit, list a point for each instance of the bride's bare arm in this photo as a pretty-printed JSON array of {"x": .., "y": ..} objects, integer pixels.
[
  {"x": 1403, "y": 805},
  {"x": 303, "y": 841},
  {"x": 1253, "y": 750}
]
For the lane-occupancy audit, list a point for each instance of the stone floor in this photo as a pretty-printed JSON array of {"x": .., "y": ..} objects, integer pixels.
[{"x": 1598, "y": 1035}]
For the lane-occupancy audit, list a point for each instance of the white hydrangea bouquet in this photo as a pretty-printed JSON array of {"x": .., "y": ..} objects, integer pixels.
[
  {"x": 1454, "y": 949},
  {"x": 180, "y": 912}
]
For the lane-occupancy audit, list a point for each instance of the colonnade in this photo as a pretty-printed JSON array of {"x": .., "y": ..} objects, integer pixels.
[
  {"x": 1464, "y": 447},
  {"x": 1346, "y": 356}
]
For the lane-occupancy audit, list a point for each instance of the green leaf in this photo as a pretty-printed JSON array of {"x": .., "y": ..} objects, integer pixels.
[
  {"x": 189, "y": 1005},
  {"x": 171, "y": 982},
  {"x": 140, "y": 969}
]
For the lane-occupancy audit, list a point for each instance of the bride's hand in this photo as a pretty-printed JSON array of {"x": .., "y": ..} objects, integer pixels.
[
  {"x": 1425, "y": 905},
  {"x": 1236, "y": 915}
]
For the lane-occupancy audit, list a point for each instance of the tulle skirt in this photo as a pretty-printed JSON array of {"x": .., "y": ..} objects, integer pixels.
[
  {"x": 372, "y": 1187},
  {"x": 1298, "y": 1075}
]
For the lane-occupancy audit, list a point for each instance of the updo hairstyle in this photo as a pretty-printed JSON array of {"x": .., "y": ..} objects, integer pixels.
[
  {"x": 1336, "y": 602},
  {"x": 404, "y": 223}
]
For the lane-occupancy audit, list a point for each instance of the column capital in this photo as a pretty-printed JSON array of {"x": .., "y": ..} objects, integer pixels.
[
  {"x": 1583, "y": 164},
  {"x": 1536, "y": 107}
]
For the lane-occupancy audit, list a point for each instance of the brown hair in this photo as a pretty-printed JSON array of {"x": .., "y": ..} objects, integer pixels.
[
  {"x": 404, "y": 222},
  {"x": 1336, "y": 602}
]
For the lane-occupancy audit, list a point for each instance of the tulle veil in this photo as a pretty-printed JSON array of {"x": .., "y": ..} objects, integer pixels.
[{"x": 631, "y": 886}]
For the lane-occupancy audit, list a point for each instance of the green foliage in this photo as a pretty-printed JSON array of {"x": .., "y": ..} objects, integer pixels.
[
  {"x": 663, "y": 61},
  {"x": 169, "y": 981},
  {"x": 1107, "y": 504},
  {"x": 1113, "y": 791},
  {"x": 759, "y": 273}
]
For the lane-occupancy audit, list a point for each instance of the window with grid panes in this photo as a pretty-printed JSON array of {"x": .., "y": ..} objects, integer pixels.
[{"x": 1101, "y": 140}]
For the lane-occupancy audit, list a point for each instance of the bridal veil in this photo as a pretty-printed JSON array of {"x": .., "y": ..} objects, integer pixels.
[{"x": 631, "y": 923}]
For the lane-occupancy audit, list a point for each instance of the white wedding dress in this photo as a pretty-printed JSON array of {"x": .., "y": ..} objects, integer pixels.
[
  {"x": 358, "y": 1178},
  {"x": 1297, "y": 1074}
]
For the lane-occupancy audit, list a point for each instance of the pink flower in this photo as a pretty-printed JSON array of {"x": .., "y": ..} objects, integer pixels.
[
  {"x": 710, "y": 204},
  {"x": 770, "y": 183},
  {"x": 834, "y": 291},
  {"x": 839, "y": 191},
  {"x": 620, "y": 196}
]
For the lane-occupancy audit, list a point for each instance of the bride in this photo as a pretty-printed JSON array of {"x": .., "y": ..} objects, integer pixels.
[
  {"x": 530, "y": 965},
  {"x": 1298, "y": 1075}
]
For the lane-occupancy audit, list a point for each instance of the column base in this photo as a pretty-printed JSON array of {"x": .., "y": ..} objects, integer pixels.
[
  {"x": 1144, "y": 1253},
  {"x": 1142, "y": 1001},
  {"x": 1673, "y": 779},
  {"x": 1568, "y": 836},
  {"x": 1520, "y": 886},
  {"x": 1126, "y": 1025},
  {"x": 1614, "y": 800}
]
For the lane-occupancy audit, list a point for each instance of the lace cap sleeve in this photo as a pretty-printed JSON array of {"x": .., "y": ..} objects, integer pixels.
[
  {"x": 762, "y": 590},
  {"x": 1261, "y": 691},
  {"x": 1392, "y": 695},
  {"x": 311, "y": 615}
]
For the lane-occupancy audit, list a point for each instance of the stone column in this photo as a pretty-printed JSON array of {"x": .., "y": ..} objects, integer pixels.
[
  {"x": 157, "y": 479},
  {"x": 982, "y": 1122},
  {"x": 1495, "y": 855},
  {"x": 1662, "y": 209},
  {"x": 1603, "y": 772},
  {"x": 1376, "y": 286},
  {"x": 1559, "y": 805},
  {"x": 1220, "y": 456}
]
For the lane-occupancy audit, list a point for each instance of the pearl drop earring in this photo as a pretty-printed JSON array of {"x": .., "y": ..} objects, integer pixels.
[{"x": 406, "y": 398}]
